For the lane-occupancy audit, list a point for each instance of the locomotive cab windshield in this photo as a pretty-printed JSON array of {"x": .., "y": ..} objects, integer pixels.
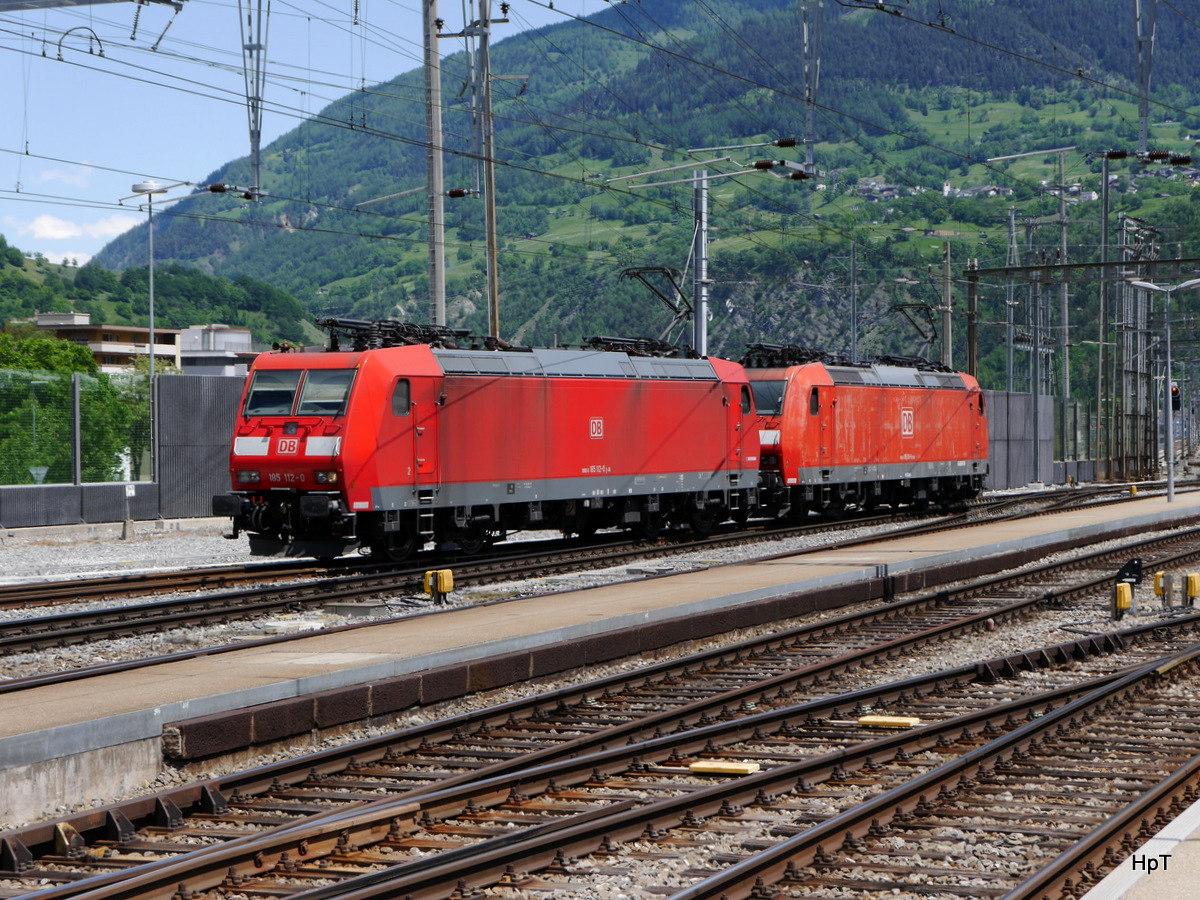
[
  {"x": 768, "y": 396},
  {"x": 298, "y": 392}
]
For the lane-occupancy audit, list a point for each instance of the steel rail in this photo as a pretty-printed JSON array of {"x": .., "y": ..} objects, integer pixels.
[
  {"x": 773, "y": 865},
  {"x": 623, "y": 821},
  {"x": 46, "y": 593}
]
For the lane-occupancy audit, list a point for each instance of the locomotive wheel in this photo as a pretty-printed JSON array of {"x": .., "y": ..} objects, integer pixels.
[
  {"x": 835, "y": 509},
  {"x": 651, "y": 526},
  {"x": 395, "y": 546},
  {"x": 702, "y": 521},
  {"x": 471, "y": 539},
  {"x": 585, "y": 525}
]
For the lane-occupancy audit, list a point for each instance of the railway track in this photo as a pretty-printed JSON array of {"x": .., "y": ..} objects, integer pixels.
[
  {"x": 689, "y": 710},
  {"x": 33, "y": 634},
  {"x": 34, "y": 594},
  {"x": 829, "y": 798}
]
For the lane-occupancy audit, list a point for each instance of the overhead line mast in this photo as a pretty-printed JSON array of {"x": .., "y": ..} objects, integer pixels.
[
  {"x": 254, "y": 52},
  {"x": 481, "y": 105},
  {"x": 435, "y": 165},
  {"x": 811, "y": 16},
  {"x": 1145, "y": 14}
]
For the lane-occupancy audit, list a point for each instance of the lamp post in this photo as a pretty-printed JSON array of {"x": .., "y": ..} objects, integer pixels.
[
  {"x": 148, "y": 189},
  {"x": 1168, "y": 420}
]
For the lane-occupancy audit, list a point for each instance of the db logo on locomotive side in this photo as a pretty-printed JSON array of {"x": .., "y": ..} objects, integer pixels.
[
  {"x": 907, "y": 423},
  {"x": 597, "y": 428},
  {"x": 288, "y": 445}
]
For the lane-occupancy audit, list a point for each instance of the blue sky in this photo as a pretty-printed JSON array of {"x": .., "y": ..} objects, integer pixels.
[{"x": 100, "y": 97}]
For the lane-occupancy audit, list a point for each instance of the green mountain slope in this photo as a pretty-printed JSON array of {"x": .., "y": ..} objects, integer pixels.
[{"x": 906, "y": 103}]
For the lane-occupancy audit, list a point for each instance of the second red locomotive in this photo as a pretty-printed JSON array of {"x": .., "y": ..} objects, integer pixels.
[{"x": 837, "y": 435}]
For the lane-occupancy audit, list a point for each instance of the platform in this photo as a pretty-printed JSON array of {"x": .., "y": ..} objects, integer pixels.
[
  {"x": 1167, "y": 865},
  {"x": 108, "y": 733}
]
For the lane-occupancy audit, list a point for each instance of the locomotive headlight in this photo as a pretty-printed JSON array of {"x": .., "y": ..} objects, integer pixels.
[
  {"x": 326, "y": 477},
  {"x": 247, "y": 476}
]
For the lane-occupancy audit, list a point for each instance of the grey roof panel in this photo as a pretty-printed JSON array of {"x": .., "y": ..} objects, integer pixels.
[{"x": 571, "y": 364}]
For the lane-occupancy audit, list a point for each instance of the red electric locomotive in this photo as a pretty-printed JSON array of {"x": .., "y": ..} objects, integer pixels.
[
  {"x": 888, "y": 433},
  {"x": 405, "y": 439}
]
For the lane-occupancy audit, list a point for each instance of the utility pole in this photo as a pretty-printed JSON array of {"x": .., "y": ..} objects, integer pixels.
[
  {"x": 1064, "y": 308},
  {"x": 434, "y": 165},
  {"x": 254, "y": 49},
  {"x": 1010, "y": 302},
  {"x": 481, "y": 96},
  {"x": 947, "y": 299},
  {"x": 700, "y": 254},
  {"x": 1145, "y": 14},
  {"x": 489, "y": 168},
  {"x": 854, "y": 301},
  {"x": 811, "y": 16}
]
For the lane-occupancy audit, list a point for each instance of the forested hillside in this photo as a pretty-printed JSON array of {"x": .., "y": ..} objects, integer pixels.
[
  {"x": 911, "y": 104},
  {"x": 183, "y": 296}
]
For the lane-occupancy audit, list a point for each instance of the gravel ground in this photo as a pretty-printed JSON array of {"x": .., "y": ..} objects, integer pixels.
[{"x": 82, "y": 551}]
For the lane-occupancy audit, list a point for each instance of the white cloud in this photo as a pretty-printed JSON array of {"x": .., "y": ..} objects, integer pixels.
[
  {"x": 52, "y": 228},
  {"x": 111, "y": 226},
  {"x": 49, "y": 228},
  {"x": 74, "y": 178}
]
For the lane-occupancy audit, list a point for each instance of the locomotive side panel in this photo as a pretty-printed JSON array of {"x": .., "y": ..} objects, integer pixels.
[
  {"x": 640, "y": 436},
  {"x": 521, "y": 439},
  {"x": 492, "y": 440},
  {"x": 887, "y": 426}
]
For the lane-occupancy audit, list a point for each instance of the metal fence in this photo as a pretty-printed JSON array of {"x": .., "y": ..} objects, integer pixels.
[
  {"x": 74, "y": 449},
  {"x": 73, "y": 429},
  {"x": 77, "y": 449}
]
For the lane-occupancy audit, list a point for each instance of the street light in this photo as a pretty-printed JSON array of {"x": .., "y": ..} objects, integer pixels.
[
  {"x": 148, "y": 189},
  {"x": 1168, "y": 420}
]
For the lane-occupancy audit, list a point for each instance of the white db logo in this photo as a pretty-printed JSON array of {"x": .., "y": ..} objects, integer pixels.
[
  {"x": 907, "y": 425},
  {"x": 597, "y": 428},
  {"x": 288, "y": 445}
]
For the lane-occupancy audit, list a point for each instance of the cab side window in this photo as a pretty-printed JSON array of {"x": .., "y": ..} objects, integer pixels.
[
  {"x": 747, "y": 401},
  {"x": 401, "y": 398},
  {"x": 814, "y": 402}
]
